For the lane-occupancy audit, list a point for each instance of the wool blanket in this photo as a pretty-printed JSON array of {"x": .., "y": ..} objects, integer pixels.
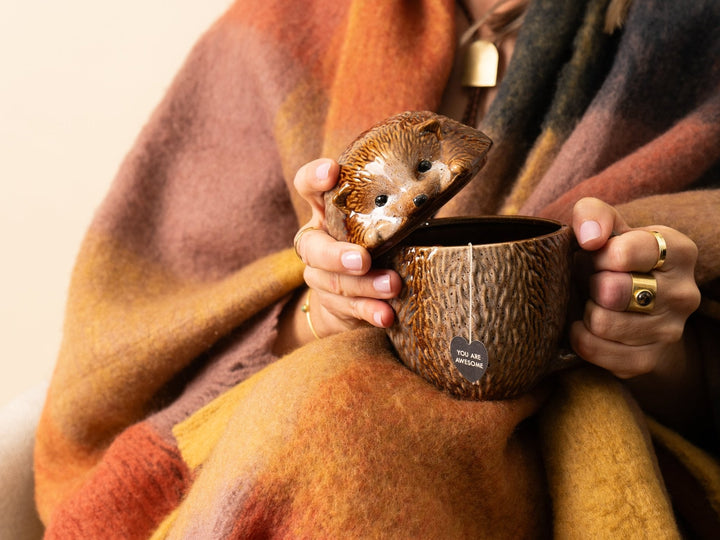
[{"x": 169, "y": 416}]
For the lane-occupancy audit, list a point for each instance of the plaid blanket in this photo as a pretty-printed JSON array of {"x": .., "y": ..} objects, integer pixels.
[{"x": 168, "y": 414}]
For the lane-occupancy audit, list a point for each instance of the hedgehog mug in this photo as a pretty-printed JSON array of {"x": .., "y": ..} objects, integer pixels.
[
  {"x": 483, "y": 304},
  {"x": 484, "y": 299}
]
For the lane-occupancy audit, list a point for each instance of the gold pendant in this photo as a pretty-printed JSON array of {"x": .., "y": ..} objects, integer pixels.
[{"x": 481, "y": 64}]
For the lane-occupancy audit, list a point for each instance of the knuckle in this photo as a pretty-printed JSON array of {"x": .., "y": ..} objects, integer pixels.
[
  {"x": 599, "y": 322},
  {"x": 684, "y": 298},
  {"x": 627, "y": 372},
  {"x": 641, "y": 362},
  {"x": 355, "y": 308},
  {"x": 305, "y": 249},
  {"x": 674, "y": 333},
  {"x": 300, "y": 248},
  {"x": 611, "y": 292},
  {"x": 605, "y": 296},
  {"x": 585, "y": 345},
  {"x": 681, "y": 248},
  {"x": 314, "y": 250},
  {"x": 308, "y": 274},
  {"x": 696, "y": 300},
  {"x": 618, "y": 255},
  {"x": 298, "y": 180},
  {"x": 692, "y": 298},
  {"x": 335, "y": 284}
]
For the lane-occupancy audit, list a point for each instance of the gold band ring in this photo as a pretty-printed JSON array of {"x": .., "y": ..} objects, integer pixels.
[
  {"x": 662, "y": 250},
  {"x": 298, "y": 236},
  {"x": 644, "y": 291}
]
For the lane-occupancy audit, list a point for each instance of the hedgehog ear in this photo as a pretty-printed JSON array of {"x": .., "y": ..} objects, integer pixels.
[
  {"x": 431, "y": 125},
  {"x": 339, "y": 200}
]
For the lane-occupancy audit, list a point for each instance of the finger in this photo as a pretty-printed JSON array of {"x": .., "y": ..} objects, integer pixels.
[
  {"x": 319, "y": 250},
  {"x": 629, "y": 328},
  {"x": 680, "y": 251},
  {"x": 303, "y": 236},
  {"x": 315, "y": 178},
  {"x": 341, "y": 312},
  {"x": 677, "y": 296},
  {"x": 594, "y": 221},
  {"x": 638, "y": 251},
  {"x": 380, "y": 284},
  {"x": 611, "y": 290},
  {"x": 622, "y": 360}
]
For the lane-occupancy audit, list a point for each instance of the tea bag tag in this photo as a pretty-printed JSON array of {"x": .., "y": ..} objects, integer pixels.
[
  {"x": 470, "y": 357},
  {"x": 481, "y": 64}
]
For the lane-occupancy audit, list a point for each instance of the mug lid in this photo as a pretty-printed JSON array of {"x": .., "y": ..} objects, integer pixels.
[{"x": 397, "y": 174}]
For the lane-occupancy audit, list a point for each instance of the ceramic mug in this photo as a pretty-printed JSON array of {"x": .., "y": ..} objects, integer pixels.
[{"x": 483, "y": 303}]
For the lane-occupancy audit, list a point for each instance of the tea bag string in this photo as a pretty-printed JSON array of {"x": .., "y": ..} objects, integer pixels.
[{"x": 470, "y": 287}]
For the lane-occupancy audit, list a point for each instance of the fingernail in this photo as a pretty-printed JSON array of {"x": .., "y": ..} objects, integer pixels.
[
  {"x": 377, "y": 317},
  {"x": 589, "y": 230},
  {"x": 351, "y": 260},
  {"x": 321, "y": 173},
  {"x": 382, "y": 284}
]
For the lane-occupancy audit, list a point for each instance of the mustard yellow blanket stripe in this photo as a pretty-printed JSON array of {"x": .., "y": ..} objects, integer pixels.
[
  {"x": 124, "y": 347},
  {"x": 602, "y": 474}
]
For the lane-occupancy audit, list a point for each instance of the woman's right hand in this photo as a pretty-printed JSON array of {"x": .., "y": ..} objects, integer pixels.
[{"x": 345, "y": 291}]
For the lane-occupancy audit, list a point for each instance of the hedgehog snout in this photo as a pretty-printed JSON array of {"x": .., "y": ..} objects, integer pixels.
[{"x": 419, "y": 200}]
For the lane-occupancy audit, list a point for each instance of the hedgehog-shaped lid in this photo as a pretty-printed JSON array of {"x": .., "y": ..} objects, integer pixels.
[{"x": 394, "y": 176}]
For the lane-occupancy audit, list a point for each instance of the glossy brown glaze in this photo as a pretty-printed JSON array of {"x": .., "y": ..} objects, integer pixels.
[
  {"x": 509, "y": 291},
  {"x": 398, "y": 173}
]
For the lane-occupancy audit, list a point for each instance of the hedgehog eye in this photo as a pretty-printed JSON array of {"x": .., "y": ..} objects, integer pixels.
[
  {"x": 381, "y": 200},
  {"x": 424, "y": 166}
]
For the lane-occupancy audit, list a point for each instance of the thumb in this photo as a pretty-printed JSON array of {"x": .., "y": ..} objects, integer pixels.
[{"x": 594, "y": 221}]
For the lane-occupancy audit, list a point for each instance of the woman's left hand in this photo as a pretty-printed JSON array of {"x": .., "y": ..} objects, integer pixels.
[{"x": 629, "y": 343}]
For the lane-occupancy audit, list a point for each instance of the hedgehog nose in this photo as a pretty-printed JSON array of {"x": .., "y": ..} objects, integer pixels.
[{"x": 420, "y": 200}]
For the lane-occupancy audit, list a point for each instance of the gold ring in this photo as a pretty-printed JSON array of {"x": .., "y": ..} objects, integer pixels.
[
  {"x": 662, "y": 249},
  {"x": 644, "y": 291},
  {"x": 298, "y": 236}
]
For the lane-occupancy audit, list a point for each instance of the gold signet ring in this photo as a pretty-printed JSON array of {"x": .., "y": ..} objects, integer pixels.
[
  {"x": 662, "y": 249},
  {"x": 644, "y": 291}
]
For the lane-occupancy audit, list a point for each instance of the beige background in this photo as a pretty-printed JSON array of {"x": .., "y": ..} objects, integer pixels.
[{"x": 78, "y": 79}]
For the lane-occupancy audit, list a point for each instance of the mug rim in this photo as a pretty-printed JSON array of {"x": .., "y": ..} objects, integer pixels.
[{"x": 448, "y": 222}]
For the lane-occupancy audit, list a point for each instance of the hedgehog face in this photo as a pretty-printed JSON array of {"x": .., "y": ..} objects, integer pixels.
[
  {"x": 393, "y": 192},
  {"x": 398, "y": 173}
]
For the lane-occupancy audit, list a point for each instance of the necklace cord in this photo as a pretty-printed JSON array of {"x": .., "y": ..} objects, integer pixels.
[{"x": 505, "y": 24}]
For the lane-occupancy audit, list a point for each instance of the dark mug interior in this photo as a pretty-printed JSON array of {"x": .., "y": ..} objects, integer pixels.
[{"x": 478, "y": 231}]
